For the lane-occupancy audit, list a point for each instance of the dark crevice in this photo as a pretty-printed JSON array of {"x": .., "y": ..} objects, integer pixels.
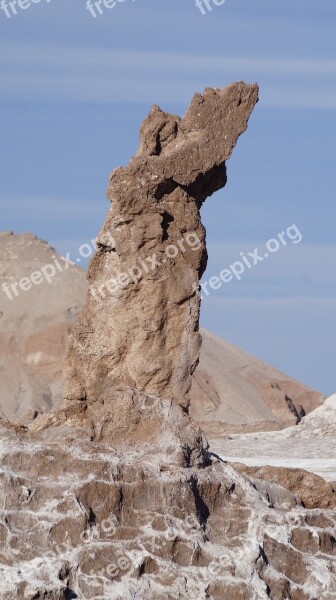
[
  {"x": 91, "y": 518},
  {"x": 69, "y": 594},
  {"x": 164, "y": 188},
  {"x": 301, "y": 412},
  {"x": 202, "y": 510},
  {"x": 166, "y": 220},
  {"x": 298, "y": 415},
  {"x": 218, "y": 458},
  {"x": 157, "y": 150},
  {"x": 263, "y": 556},
  {"x": 207, "y": 184},
  {"x": 203, "y": 262},
  {"x": 105, "y": 248}
]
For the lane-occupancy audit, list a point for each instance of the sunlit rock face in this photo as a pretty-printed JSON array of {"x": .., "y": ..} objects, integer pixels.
[{"x": 140, "y": 325}]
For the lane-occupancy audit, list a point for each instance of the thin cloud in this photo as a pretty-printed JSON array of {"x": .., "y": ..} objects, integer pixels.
[{"x": 78, "y": 74}]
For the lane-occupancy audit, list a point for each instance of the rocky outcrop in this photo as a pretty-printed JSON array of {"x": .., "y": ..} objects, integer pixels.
[
  {"x": 139, "y": 326},
  {"x": 136, "y": 343},
  {"x": 81, "y": 519},
  {"x": 313, "y": 490}
]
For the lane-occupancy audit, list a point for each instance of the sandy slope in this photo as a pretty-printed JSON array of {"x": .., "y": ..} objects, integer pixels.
[
  {"x": 234, "y": 391},
  {"x": 33, "y": 326}
]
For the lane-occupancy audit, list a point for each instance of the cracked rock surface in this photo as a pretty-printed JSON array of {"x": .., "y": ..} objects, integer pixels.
[{"x": 81, "y": 518}]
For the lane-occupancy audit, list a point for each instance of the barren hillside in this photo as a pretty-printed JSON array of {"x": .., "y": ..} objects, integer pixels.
[{"x": 231, "y": 390}]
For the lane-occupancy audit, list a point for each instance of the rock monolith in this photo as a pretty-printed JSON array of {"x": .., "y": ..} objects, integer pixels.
[{"x": 139, "y": 329}]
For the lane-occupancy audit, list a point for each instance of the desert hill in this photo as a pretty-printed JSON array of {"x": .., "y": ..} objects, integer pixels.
[
  {"x": 234, "y": 391},
  {"x": 231, "y": 391},
  {"x": 34, "y": 324}
]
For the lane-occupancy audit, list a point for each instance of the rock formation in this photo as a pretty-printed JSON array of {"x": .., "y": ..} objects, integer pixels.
[
  {"x": 139, "y": 328},
  {"x": 136, "y": 344},
  {"x": 80, "y": 519},
  {"x": 114, "y": 496}
]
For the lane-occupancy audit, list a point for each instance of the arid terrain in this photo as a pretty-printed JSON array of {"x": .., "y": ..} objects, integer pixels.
[
  {"x": 109, "y": 490},
  {"x": 231, "y": 390},
  {"x": 34, "y": 326},
  {"x": 309, "y": 445}
]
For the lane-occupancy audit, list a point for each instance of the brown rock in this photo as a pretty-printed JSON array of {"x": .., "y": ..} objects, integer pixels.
[
  {"x": 285, "y": 560},
  {"x": 327, "y": 543},
  {"x": 139, "y": 326},
  {"x": 305, "y": 541},
  {"x": 219, "y": 591},
  {"x": 314, "y": 491},
  {"x": 278, "y": 589}
]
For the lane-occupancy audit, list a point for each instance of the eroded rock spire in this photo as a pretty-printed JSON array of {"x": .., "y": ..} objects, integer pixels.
[
  {"x": 139, "y": 329},
  {"x": 105, "y": 498}
]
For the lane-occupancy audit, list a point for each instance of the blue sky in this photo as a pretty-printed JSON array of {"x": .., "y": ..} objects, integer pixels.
[{"x": 74, "y": 91}]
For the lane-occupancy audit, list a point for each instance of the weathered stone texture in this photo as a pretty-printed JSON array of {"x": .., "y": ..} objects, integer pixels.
[{"x": 143, "y": 333}]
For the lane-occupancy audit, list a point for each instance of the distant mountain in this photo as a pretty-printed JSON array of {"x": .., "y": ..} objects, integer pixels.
[
  {"x": 34, "y": 323},
  {"x": 232, "y": 391}
]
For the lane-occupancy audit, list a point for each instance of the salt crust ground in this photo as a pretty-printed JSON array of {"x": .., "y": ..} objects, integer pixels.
[{"x": 311, "y": 445}]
